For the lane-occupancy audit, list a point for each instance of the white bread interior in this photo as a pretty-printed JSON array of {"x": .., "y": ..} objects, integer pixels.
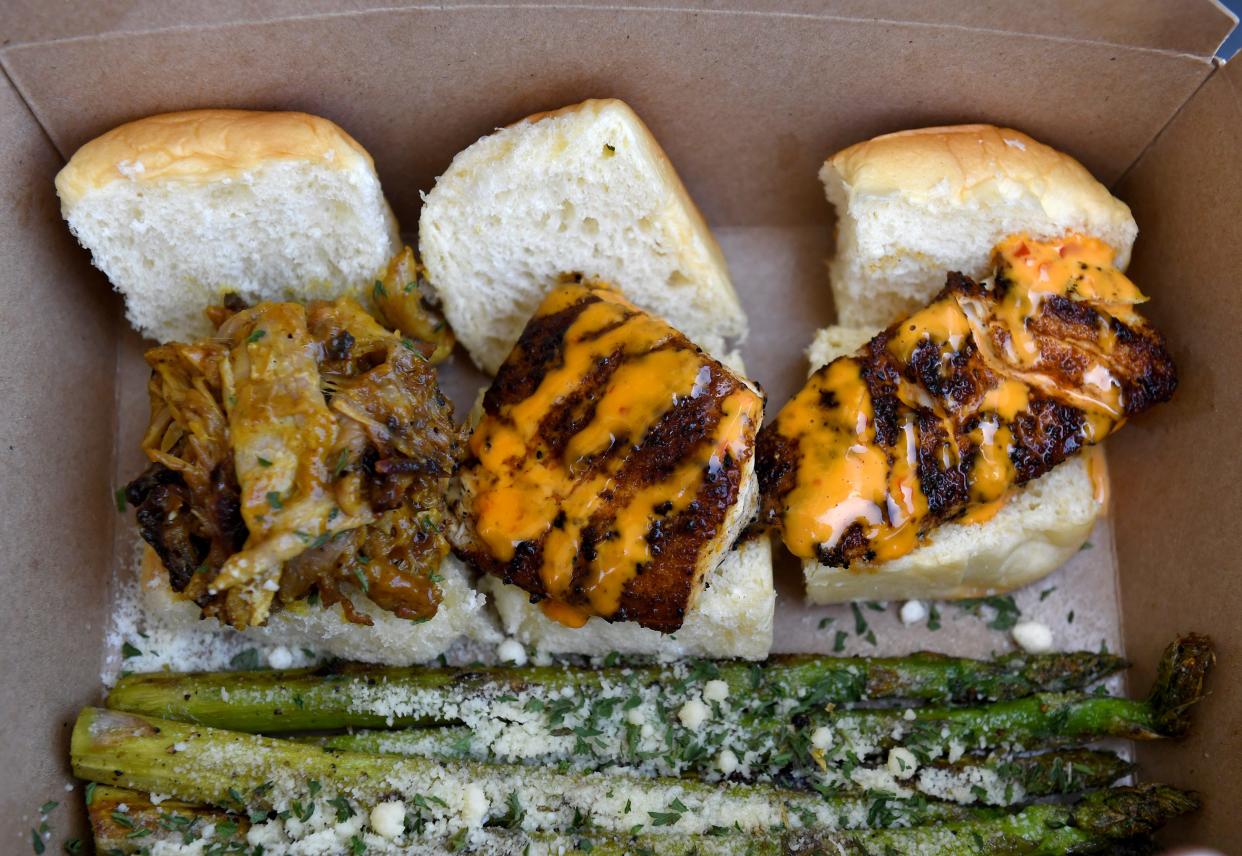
[
  {"x": 392, "y": 641},
  {"x": 1042, "y": 525},
  {"x": 731, "y": 617},
  {"x": 181, "y": 208},
  {"x": 912, "y": 205},
  {"x": 583, "y": 189}
]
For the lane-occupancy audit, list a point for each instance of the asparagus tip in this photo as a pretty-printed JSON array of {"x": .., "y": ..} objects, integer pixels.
[
  {"x": 1180, "y": 681},
  {"x": 1121, "y": 813}
]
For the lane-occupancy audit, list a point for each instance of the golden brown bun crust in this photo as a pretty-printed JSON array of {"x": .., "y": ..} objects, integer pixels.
[
  {"x": 202, "y": 145},
  {"x": 968, "y": 157}
]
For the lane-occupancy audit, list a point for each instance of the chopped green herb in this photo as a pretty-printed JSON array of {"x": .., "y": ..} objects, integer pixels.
[
  {"x": 90, "y": 792},
  {"x": 378, "y": 290},
  {"x": 128, "y": 650},
  {"x": 256, "y": 336},
  {"x": 246, "y": 660},
  {"x": 1043, "y": 595},
  {"x": 1070, "y": 617},
  {"x": 273, "y": 499},
  {"x": 344, "y": 811},
  {"x": 356, "y": 845},
  {"x": 36, "y": 841},
  {"x": 875, "y": 606},
  {"x": 410, "y": 286},
  {"x": 824, "y": 622},
  {"x": 839, "y": 644},
  {"x": 263, "y": 462},
  {"x": 1006, "y": 610},
  {"x": 314, "y": 787},
  {"x": 342, "y": 461},
  {"x": 122, "y": 819},
  {"x": 933, "y": 618},
  {"x": 73, "y": 846},
  {"x": 119, "y": 496},
  {"x": 48, "y": 806},
  {"x": 1086, "y": 545},
  {"x": 609, "y": 150},
  {"x": 362, "y": 580},
  {"x": 860, "y": 623}
]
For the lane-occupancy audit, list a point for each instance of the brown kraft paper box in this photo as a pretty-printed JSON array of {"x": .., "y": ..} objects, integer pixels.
[{"x": 748, "y": 98}]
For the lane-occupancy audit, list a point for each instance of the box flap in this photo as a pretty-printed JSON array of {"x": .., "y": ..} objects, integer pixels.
[
  {"x": 418, "y": 63},
  {"x": 1177, "y": 523},
  {"x": 56, "y": 383},
  {"x": 1191, "y": 27}
]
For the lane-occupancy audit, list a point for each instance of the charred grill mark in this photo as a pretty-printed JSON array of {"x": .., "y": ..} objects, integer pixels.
[
  {"x": 1148, "y": 375},
  {"x": 946, "y": 487},
  {"x": 776, "y": 466},
  {"x": 881, "y": 375},
  {"x": 852, "y": 546},
  {"x": 577, "y": 410},
  {"x": 1074, "y": 312},
  {"x": 538, "y": 351},
  {"x": 1044, "y": 436}
]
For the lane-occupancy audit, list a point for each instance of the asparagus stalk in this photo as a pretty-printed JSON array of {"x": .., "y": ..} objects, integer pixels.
[
  {"x": 369, "y": 697},
  {"x": 126, "y": 821},
  {"x": 791, "y": 738},
  {"x": 257, "y": 774},
  {"x": 1098, "y": 823},
  {"x": 1104, "y": 821},
  {"x": 1009, "y": 779}
]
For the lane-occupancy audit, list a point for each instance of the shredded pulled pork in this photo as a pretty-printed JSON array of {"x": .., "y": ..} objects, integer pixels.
[{"x": 303, "y": 452}]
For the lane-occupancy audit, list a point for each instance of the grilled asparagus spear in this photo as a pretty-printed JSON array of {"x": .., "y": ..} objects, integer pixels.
[
  {"x": 994, "y": 780},
  {"x": 1098, "y": 823},
  {"x": 249, "y": 773},
  {"x": 371, "y": 697},
  {"x": 787, "y": 737}
]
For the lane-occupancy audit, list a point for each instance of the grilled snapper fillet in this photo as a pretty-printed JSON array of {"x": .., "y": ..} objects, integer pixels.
[
  {"x": 611, "y": 466},
  {"x": 941, "y": 415}
]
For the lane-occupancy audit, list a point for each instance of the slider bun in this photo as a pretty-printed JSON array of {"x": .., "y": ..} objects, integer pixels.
[
  {"x": 588, "y": 189},
  {"x": 915, "y": 204},
  {"x": 181, "y": 208},
  {"x": 1042, "y": 525},
  {"x": 390, "y": 640}
]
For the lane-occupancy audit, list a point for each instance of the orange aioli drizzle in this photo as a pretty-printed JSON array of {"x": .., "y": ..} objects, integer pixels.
[
  {"x": 845, "y": 477},
  {"x": 521, "y": 487}
]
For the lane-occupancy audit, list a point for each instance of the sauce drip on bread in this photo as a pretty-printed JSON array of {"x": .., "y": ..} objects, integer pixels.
[{"x": 941, "y": 415}]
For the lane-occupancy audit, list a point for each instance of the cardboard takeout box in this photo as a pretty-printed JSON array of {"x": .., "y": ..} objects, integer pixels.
[{"x": 747, "y": 97}]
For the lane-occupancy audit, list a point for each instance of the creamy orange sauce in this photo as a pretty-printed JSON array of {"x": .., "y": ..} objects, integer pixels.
[
  {"x": 525, "y": 491},
  {"x": 1097, "y": 470},
  {"x": 846, "y": 477}
]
